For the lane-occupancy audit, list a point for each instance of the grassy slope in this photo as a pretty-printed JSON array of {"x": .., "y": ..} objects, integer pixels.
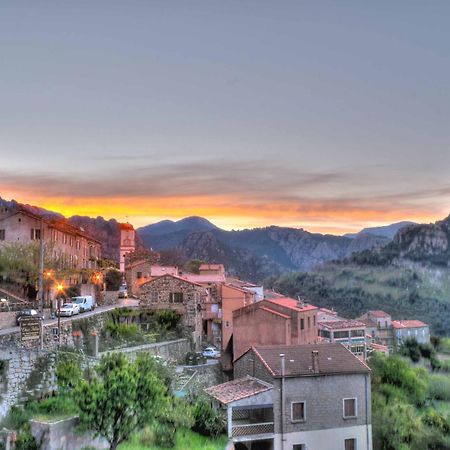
[
  {"x": 185, "y": 440},
  {"x": 405, "y": 292}
]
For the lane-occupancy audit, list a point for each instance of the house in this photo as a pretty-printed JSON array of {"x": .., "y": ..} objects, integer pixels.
[
  {"x": 70, "y": 246},
  {"x": 298, "y": 397},
  {"x": 391, "y": 333},
  {"x": 177, "y": 294},
  {"x": 283, "y": 321},
  {"x": 410, "y": 329},
  {"x": 350, "y": 333},
  {"x": 382, "y": 334},
  {"x": 139, "y": 272}
]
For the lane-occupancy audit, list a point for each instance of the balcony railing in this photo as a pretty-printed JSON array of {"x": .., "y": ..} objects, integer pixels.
[{"x": 252, "y": 429}]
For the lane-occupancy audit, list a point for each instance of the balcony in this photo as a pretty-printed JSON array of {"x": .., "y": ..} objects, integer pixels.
[{"x": 251, "y": 429}]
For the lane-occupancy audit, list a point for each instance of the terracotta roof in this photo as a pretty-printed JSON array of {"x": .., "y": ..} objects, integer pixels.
[
  {"x": 211, "y": 266},
  {"x": 378, "y": 313},
  {"x": 401, "y": 324},
  {"x": 157, "y": 271},
  {"x": 368, "y": 323},
  {"x": 126, "y": 226},
  {"x": 232, "y": 391},
  {"x": 172, "y": 276},
  {"x": 336, "y": 324},
  {"x": 276, "y": 313},
  {"x": 204, "y": 278},
  {"x": 333, "y": 359},
  {"x": 292, "y": 304}
]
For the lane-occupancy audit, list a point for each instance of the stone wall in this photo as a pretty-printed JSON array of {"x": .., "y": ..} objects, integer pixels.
[
  {"x": 62, "y": 435},
  {"x": 7, "y": 319},
  {"x": 174, "y": 350},
  {"x": 174, "y": 293}
]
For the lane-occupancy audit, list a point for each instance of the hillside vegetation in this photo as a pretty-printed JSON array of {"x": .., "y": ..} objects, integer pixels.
[{"x": 406, "y": 292}]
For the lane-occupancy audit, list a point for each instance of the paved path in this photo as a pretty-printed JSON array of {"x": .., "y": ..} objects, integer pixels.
[{"x": 128, "y": 302}]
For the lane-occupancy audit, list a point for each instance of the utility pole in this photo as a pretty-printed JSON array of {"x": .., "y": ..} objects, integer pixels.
[{"x": 41, "y": 270}]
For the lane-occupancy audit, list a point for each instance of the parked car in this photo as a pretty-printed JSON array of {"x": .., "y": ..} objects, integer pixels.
[
  {"x": 211, "y": 352},
  {"x": 26, "y": 313},
  {"x": 69, "y": 309},
  {"x": 85, "y": 302},
  {"x": 123, "y": 291}
]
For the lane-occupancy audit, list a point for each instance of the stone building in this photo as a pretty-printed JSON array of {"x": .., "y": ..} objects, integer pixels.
[
  {"x": 298, "y": 397},
  {"x": 177, "y": 294},
  {"x": 69, "y": 245},
  {"x": 140, "y": 272}
]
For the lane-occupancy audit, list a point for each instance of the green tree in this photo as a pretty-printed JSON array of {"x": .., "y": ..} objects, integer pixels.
[
  {"x": 120, "y": 398},
  {"x": 113, "y": 279}
]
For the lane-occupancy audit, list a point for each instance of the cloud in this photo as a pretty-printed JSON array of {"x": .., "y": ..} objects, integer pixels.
[{"x": 242, "y": 192}]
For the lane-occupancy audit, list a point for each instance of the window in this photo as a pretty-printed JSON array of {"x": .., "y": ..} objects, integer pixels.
[
  {"x": 154, "y": 297},
  {"x": 2, "y": 235},
  {"x": 357, "y": 333},
  {"x": 298, "y": 411},
  {"x": 35, "y": 234},
  {"x": 349, "y": 407},
  {"x": 139, "y": 275},
  {"x": 302, "y": 324},
  {"x": 309, "y": 323},
  {"x": 350, "y": 444},
  {"x": 176, "y": 297},
  {"x": 299, "y": 447},
  {"x": 340, "y": 334},
  {"x": 314, "y": 320}
]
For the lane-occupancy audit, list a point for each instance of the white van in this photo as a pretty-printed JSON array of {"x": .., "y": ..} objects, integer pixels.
[{"x": 85, "y": 302}]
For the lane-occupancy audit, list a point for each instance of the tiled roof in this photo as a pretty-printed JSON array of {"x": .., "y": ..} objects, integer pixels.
[
  {"x": 368, "y": 323},
  {"x": 172, "y": 276},
  {"x": 400, "y": 324},
  {"x": 204, "y": 278},
  {"x": 378, "y": 313},
  {"x": 276, "y": 313},
  {"x": 126, "y": 226},
  {"x": 232, "y": 391},
  {"x": 157, "y": 271},
  {"x": 292, "y": 304},
  {"x": 333, "y": 359},
  {"x": 337, "y": 324},
  {"x": 211, "y": 266}
]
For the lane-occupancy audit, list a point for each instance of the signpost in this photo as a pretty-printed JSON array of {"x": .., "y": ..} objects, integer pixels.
[{"x": 30, "y": 328}]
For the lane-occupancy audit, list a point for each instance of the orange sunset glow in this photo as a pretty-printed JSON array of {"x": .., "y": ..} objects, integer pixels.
[{"x": 230, "y": 212}]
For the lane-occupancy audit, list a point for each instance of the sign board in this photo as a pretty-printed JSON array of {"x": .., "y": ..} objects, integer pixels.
[{"x": 30, "y": 328}]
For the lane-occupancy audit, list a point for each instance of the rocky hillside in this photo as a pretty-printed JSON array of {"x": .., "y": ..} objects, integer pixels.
[
  {"x": 387, "y": 231},
  {"x": 427, "y": 244},
  {"x": 270, "y": 250}
]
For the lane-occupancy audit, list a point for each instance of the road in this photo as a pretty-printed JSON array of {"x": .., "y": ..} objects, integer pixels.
[{"x": 128, "y": 302}]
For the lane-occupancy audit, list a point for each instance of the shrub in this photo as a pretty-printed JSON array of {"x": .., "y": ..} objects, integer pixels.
[
  {"x": 167, "y": 318},
  {"x": 68, "y": 371},
  {"x": 207, "y": 421},
  {"x": 439, "y": 387},
  {"x": 113, "y": 279},
  {"x": 25, "y": 440}
]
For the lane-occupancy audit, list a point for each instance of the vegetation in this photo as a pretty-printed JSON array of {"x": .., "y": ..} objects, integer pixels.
[
  {"x": 113, "y": 279},
  {"x": 185, "y": 439},
  {"x": 120, "y": 398},
  {"x": 403, "y": 292},
  {"x": 407, "y": 411},
  {"x": 207, "y": 420}
]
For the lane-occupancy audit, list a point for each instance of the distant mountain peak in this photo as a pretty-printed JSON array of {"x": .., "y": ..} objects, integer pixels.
[
  {"x": 387, "y": 231},
  {"x": 191, "y": 223}
]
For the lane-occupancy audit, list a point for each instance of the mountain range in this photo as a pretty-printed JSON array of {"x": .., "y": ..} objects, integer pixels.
[{"x": 259, "y": 252}]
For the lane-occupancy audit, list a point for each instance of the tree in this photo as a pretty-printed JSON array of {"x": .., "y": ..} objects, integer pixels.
[
  {"x": 120, "y": 398},
  {"x": 113, "y": 279}
]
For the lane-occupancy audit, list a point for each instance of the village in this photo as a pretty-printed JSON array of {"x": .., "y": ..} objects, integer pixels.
[{"x": 287, "y": 374}]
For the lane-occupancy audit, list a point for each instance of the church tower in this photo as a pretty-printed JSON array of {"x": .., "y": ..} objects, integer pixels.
[{"x": 127, "y": 242}]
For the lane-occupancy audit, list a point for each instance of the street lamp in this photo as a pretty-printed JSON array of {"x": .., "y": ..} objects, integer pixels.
[{"x": 59, "y": 290}]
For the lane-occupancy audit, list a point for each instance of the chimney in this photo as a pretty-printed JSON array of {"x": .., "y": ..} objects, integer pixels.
[
  {"x": 315, "y": 361},
  {"x": 283, "y": 369}
]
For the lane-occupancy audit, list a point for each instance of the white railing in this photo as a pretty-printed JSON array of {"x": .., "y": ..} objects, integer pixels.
[{"x": 252, "y": 429}]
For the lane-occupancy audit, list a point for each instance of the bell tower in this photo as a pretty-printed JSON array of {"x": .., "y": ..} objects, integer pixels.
[{"x": 127, "y": 243}]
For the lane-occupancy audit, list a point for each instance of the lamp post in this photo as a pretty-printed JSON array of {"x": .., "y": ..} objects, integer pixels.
[{"x": 59, "y": 289}]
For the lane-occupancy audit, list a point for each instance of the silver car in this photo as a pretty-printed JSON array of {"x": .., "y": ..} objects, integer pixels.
[{"x": 69, "y": 309}]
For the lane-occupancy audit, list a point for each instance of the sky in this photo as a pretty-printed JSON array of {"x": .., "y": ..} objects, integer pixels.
[{"x": 329, "y": 116}]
